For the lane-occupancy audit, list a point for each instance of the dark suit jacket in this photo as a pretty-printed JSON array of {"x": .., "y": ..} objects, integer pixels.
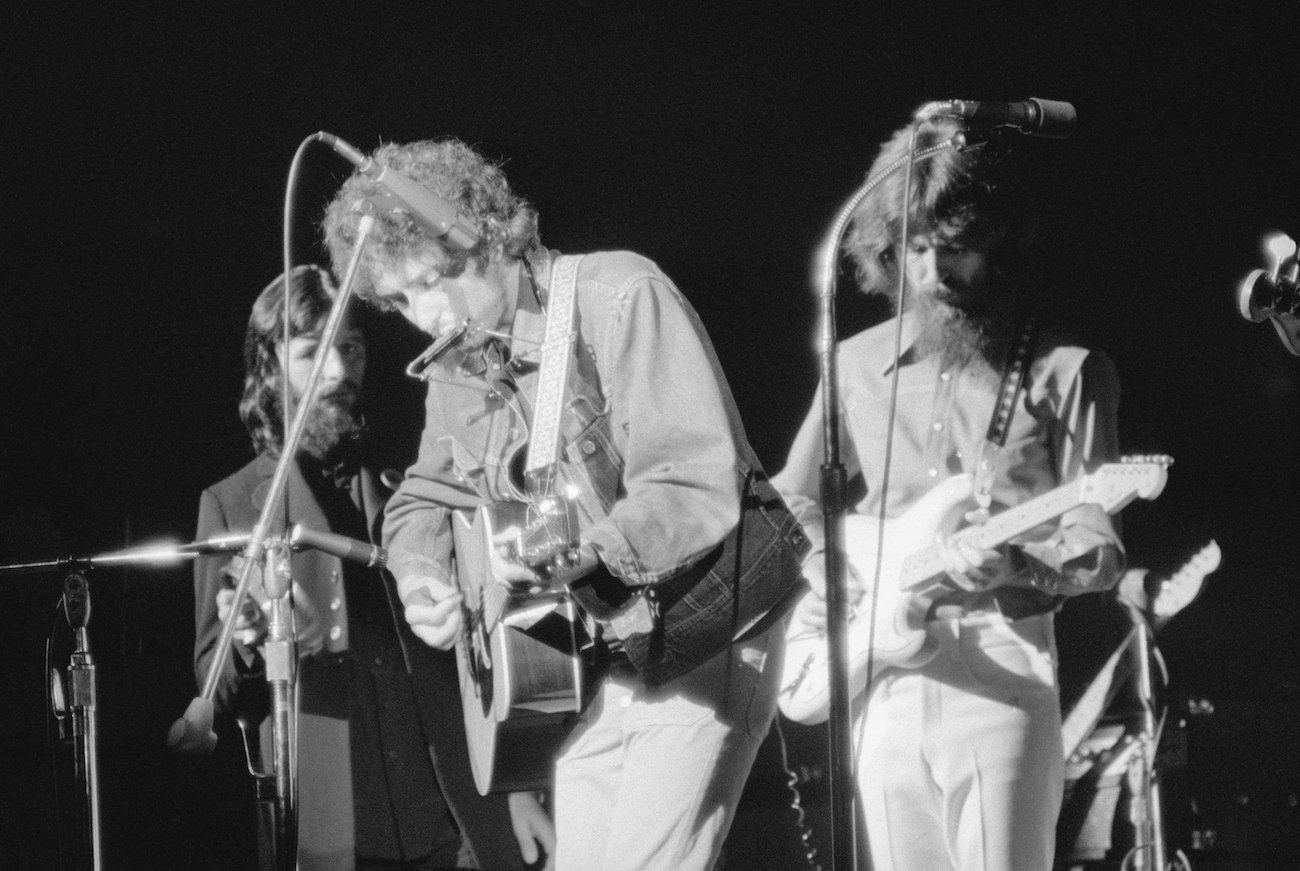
[{"x": 234, "y": 505}]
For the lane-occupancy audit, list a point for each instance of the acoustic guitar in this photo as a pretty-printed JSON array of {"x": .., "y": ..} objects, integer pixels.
[{"x": 524, "y": 655}]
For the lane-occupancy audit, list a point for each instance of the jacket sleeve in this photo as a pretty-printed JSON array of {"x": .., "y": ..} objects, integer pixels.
[
  {"x": 674, "y": 421},
  {"x": 417, "y": 530},
  {"x": 241, "y": 687},
  {"x": 1083, "y": 554}
]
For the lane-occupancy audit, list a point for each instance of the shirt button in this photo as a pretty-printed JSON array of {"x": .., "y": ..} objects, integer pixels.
[
  {"x": 336, "y": 632},
  {"x": 933, "y": 473},
  {"x": 335, "y": 604},
  {"x": 936, "y": 426},
  {"x": 514, "y": 432},
  {"x": 945, "y": 376},
  {"x": 625, "y": 702},
  {"x": 334, "y": 577},
  {"x": 589, "y": 447}
]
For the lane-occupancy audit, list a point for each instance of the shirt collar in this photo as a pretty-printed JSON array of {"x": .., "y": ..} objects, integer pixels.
[
  {"x": 883, "y": 352},
  {"x": 529, "y": 327}
]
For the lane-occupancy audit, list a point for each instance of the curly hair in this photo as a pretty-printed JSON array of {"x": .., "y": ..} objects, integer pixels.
[
  {"x": 972, "y": 193},
  {"x": 506, "y": 223},
  {"x": 310, "y": 301}
]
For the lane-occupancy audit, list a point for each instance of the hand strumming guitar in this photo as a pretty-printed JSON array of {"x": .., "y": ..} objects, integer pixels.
[
  {"x": 433, "y": 605},
  {"x": 811, "y": 610},
  {"x": 432, "y": 609}
]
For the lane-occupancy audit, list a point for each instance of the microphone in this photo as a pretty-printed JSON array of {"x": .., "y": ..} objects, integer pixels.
[
  {"x": 76, "y": 600},
  {"x": 429, "y": 210},
  {"x": 1051, "y": 119},
  {"x": 340, "y": 546},
  {"x": 217, "y": 544}
]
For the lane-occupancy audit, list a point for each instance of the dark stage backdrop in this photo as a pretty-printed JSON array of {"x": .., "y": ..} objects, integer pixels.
[{"x": 147, "y": 147}]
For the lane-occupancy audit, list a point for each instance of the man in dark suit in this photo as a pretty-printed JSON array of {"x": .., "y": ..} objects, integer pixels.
[{"x": 383, "y": 779}]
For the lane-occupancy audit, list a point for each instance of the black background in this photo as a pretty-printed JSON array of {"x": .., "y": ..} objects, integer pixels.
[{"x": 147, "y": 148}]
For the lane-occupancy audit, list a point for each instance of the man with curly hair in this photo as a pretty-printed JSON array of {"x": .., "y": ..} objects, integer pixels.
[
  {"x": 383, "y": 780},
  {"x": 959, "y": 760},
  {"x": 651, "y": 441}
]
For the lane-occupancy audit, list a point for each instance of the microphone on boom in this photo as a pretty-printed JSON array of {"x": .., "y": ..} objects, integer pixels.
[
  {"x": 435, "y": 214},
  {"x": 1051, "y": 119}
]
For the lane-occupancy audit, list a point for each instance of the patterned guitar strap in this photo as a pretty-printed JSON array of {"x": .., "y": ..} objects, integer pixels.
[
  {"x": 1013, "y": 385},
  {"x": 544, "y": 437},
  {"x": 553, "y": 375},
  {"x": 637, "y": 615}
]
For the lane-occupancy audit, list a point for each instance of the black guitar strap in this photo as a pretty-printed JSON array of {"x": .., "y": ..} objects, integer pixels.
[{"x": 1009, "y": 393}]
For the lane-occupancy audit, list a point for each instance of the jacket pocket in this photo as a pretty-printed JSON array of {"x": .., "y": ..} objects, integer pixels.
[{"x": 593, "y": 462}]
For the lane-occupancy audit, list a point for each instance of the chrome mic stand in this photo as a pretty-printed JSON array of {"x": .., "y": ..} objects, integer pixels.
[
  {"x": 193, "y": 731},
  {"x": 280, "y": 652},
  {"x": 833, "y": 491},
  {"x": 82, "y": 704}
]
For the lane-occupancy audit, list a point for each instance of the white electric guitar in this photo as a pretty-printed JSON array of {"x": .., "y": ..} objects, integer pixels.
[{"x": 911, "y": 573}]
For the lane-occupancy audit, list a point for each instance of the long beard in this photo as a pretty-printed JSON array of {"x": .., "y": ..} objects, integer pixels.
[
  {"x": 956, "y": 336},
  {"x": 334, "y": 427}
]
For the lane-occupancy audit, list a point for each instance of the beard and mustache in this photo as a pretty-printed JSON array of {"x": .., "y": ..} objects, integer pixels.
[
  {"x": 334, "y": 427},
  {"x": 959, "y": 333}
]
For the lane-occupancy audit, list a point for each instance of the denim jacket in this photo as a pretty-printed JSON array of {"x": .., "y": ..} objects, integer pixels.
[{"x": 650, "y": 432}]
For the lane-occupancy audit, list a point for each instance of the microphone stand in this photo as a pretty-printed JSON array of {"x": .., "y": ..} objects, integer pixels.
[
  {"x": 833, "y": 495},
  {"x": 82, "y": 690},
  {"x": 281, "y": 654},
  {"x": 82, "y": 703},
  {"x": 193, "y": 731},
  {"x": 1146, "y": 812}
]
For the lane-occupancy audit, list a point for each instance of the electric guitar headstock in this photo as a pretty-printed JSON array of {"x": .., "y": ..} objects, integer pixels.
[
  {"x": 1179, "y": 589},
  {"x": 1274, "y": 294},
  {"x": 1115, "y": 485}
]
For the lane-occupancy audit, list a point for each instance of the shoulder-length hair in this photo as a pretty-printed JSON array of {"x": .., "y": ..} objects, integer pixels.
[
  {"x": 972, "y": 192},
  {"x": 311, "y": 297}
]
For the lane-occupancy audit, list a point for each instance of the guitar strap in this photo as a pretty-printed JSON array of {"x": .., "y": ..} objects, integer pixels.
[
  {"x": 556, "y": 361},
  {"x": 1009, "y": 393}
]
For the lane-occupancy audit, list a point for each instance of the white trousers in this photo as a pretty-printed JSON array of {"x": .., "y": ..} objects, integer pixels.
[
  {"x": 960, "y": 765},
  {"x": 652, "y": 778}
]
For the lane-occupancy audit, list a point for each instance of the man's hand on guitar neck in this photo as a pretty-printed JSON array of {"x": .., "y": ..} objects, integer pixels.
[{"x": 973, "y": 568}]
